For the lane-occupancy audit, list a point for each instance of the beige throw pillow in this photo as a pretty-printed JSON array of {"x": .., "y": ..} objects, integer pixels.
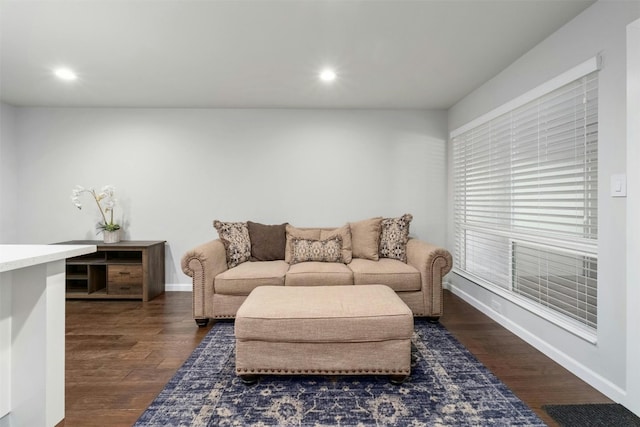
[
  {"x": 365, "y": 238},
  {"x": 345, "y": 234},
  {"x": 293, "y": 232}
]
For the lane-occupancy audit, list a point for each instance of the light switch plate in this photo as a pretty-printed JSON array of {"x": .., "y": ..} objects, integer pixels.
[{"x": 619, "y": 185}]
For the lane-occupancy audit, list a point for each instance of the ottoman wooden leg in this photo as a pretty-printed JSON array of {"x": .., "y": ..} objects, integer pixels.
[
  {"x": 202, "y": 322},
  {"x": 397, "y": 379},
  {"x": 249, "y": 379}
]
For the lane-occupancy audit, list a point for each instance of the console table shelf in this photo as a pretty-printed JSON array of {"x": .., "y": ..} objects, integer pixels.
[{"x": 125, "y": 270}]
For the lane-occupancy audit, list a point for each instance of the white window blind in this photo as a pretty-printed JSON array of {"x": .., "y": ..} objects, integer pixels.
[{"x": 526, "y": 206}]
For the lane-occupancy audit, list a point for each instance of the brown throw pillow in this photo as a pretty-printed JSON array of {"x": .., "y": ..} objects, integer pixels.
[
  {"x": 293, "y": 232},
  {"x": 235, "y": 237},
  {"x": 267, "y": 241},
  {"x": 365, "y": 238},
  {"x": 394, "y": 237},
  {"x": 304, "y": 250},
  {"x": 345, "y": 233}
]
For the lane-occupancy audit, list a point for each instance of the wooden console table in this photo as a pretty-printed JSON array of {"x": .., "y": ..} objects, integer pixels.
[{"x": 125, "y": 270}]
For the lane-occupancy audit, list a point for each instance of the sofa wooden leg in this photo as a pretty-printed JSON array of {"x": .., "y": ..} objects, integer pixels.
[
  {"x": 202, "y": 322},
  {"x": 433, "y": 319},
  {"x": 397, "y": 379},
  {"x": 248, "y": 379}
]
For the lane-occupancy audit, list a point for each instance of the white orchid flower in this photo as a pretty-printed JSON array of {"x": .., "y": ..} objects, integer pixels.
[
  {"x": 104, "y": 200},
  {"x": 76, "y": 201}
]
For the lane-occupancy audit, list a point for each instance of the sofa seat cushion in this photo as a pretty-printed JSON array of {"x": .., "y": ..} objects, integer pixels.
[
  {"x": 244, "y": 278},
  {"x": 315, "y": 273},
  {"x": 395, "y": 274},
  {"x": 334, "y": 314}
]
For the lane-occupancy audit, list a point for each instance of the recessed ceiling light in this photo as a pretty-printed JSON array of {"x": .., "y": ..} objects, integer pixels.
[
  {"x": 327, "y": 75},
  {"x": 65, "y": 74}
]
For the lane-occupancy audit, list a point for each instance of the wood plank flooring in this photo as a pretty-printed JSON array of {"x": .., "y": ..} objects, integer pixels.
[
  {"x": 532, "y": 376},
  {"x": 120, "y": 354}
]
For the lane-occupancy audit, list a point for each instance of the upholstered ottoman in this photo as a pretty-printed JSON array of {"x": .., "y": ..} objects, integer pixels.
[{"x": 329, "y": 330}]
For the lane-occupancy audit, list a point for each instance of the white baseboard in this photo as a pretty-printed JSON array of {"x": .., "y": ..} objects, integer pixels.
[
  {"x": 595, "y": 380},
  {"x": 178, "y": 287}
]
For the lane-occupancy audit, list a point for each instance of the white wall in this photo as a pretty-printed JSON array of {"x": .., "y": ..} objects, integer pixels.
[
  {"x": 175, "y": 170},
  {"x": 633, "y": 213},
  {"x": 8, "y": 175},
  {"x": 599, "y": 29}
]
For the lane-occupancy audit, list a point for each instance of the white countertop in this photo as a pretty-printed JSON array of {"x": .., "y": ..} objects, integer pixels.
[{"x": 13, "y": 257}]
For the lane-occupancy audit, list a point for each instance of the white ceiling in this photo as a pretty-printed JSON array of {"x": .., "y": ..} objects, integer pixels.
[{"x": 265, "y": 53}]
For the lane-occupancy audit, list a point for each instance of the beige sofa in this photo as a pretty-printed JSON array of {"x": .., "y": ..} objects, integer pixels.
[{"x": 218, "y": 291}]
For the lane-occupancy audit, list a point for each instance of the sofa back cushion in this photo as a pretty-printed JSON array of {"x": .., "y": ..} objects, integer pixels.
[
  {"x": 300, "y": 233},
  {"x": 321, "y": 233},
  {"x": 344, "y": 233},
  {"x": 365, "y": 238}
]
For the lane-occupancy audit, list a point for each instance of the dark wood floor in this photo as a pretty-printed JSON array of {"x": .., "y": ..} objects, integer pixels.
[
  {"x": 532, "y": 376},
  {"x": 120, "y": 354}
]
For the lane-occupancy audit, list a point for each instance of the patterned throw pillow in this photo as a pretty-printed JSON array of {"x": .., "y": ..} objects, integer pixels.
[
  {"x": 394, "y": 236},
  {"x": 293, "y": 232},
  {"x": 345, "y": 233},
  {"x": 329, "y": 250},
  {"x": 235, "y": 236}
]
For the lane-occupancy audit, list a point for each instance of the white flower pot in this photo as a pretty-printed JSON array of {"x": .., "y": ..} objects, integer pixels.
[{"x": 111, "y": 236}]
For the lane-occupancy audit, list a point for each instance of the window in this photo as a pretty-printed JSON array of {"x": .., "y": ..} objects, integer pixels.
[{"x": 526, "y": 200}]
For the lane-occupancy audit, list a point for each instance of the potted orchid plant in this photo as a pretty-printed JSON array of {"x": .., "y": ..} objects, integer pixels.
[{"x": 105, "y": 200}]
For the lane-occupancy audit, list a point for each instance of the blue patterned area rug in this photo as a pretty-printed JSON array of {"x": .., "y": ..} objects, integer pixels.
[{"x": 447, "y": 387}]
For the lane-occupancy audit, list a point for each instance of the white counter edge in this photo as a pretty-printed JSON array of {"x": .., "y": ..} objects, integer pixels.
[{"x": 13, "y": 257}]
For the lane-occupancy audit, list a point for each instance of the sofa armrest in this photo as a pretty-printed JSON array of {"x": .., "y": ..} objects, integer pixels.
[
  {"x": 433, "y": 262},
  {"x": 203, "y": 263}
]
